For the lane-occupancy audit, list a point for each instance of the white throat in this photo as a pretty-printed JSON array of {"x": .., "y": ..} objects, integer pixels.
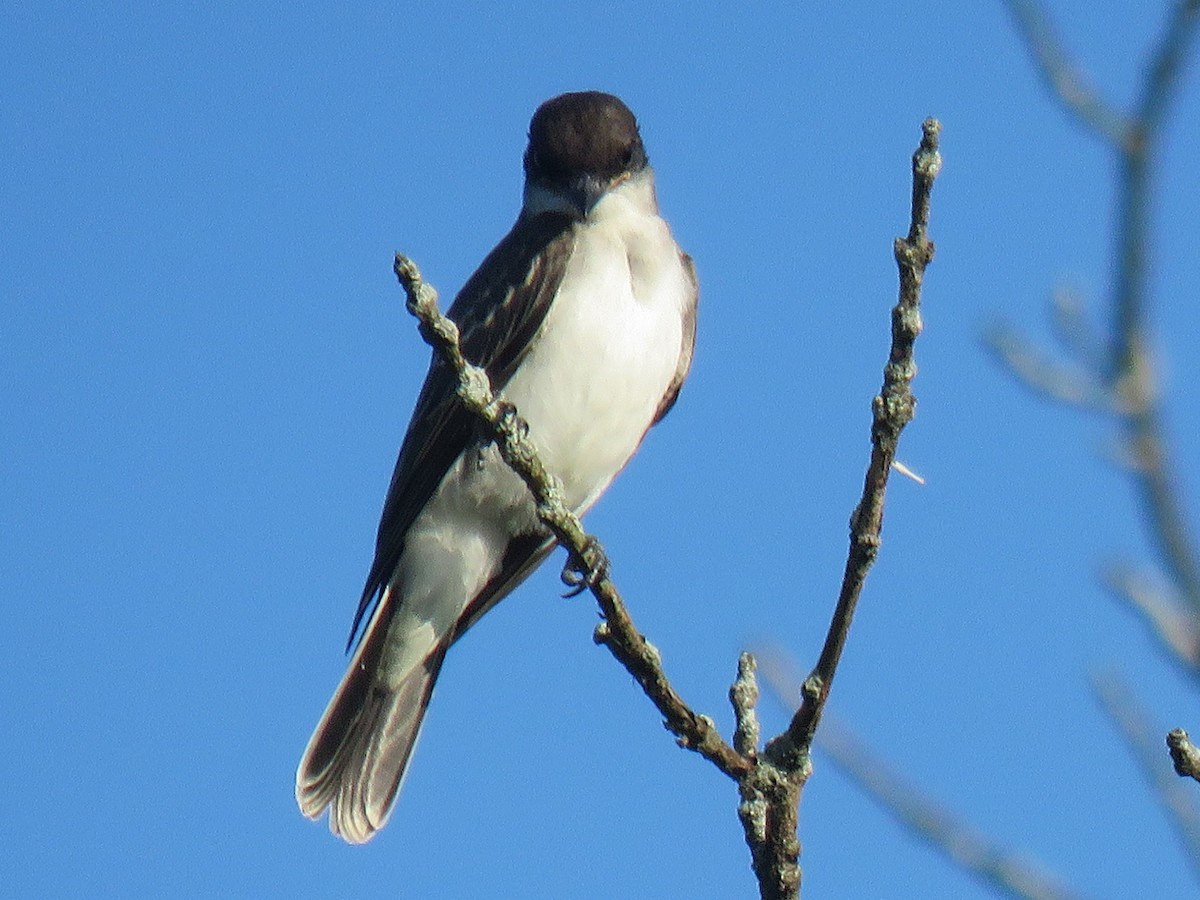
[{"x": 636, "y": 194}]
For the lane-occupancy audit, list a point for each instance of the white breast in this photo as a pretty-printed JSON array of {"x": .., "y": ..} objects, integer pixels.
[
  {"x": 589, "y": 388},
  {"x": 610, "y": 344}
]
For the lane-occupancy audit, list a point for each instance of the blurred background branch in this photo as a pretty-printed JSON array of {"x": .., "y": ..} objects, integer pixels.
[
  {"x": 1123, "y": 382},
  {"x": 1115, "y": 374},
  {"x": 1000, "y": 868},
  {"x": 1145, "y": 744},
  {"x": 1110, "y": 372}
]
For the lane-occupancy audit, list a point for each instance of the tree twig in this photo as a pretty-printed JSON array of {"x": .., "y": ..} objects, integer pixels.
[
  {"x": 1068, "y": 383},
  {"x": 743, "y": 696},
  {"x": 891, "y": 411},
  {"x": 1185, "y": 755},
  {"x": 1075, "y": 330},
  {"x": 771, "y": 793},
  {"x": 1121, "y": 382},
  {"x": 1126, "y": 369},
  {"x": 1169, "y": 620},
  {"x": 1131, "y": 364}
]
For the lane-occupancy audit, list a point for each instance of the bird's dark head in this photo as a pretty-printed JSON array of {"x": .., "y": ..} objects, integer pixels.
[{"x": 581, "y": 145}]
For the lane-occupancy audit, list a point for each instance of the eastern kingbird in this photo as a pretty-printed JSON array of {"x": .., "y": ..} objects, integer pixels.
[{"x": 584, "y": 317}]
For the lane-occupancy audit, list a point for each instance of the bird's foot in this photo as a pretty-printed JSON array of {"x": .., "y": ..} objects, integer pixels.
[
  {"x": 587, "y": 570},
  {"x": 510, "y": 419}
]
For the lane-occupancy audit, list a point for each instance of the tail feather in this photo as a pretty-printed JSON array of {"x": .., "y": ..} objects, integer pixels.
[{"x": 355, "y": 762}]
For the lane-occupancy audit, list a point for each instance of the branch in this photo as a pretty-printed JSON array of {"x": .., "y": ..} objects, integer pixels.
[
  {"x": 996, "y": 866},
  {"x": 891, "y": 410},
  {"x": 1131, "y": 363},
  {"x": 1080, "y": 381},
  {"x": 771, "y": 792},
  {"x": 1166, "y": 65},
  {"x": 1063, "y": 79},
  {"x": 617, "y": 632},
  {"x": 1121, "y": 382},
  {"x": 744, "y": 698},
  {"x": 1126, "y": 372},
  {"x": 1068, "y": 383},
  {"x": 1075, "y": 330},
  {"x": 1184, "y": 754}
]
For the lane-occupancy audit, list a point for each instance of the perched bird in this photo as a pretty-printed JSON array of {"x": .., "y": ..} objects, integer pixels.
[{"x": 584, "y": 317}]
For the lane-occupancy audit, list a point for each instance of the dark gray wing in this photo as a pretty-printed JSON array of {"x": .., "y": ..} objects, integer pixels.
[
  {"x": 498, "y": 312},
  {"x": 688, "y": 344}
]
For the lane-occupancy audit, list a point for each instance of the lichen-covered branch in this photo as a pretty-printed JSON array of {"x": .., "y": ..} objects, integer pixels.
[
  {"x": 743, "y": 696},
  {"x": 771, "y": 793},
  {"x": 891, "y": 410},
  {"x": 1185, "y": 755}
]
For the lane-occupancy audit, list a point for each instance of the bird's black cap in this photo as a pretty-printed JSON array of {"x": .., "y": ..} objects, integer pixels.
[{"x": 583, "y": 133}]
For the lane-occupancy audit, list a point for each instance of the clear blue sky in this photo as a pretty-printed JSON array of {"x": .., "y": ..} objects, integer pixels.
[{"x": 206, "y": 369}]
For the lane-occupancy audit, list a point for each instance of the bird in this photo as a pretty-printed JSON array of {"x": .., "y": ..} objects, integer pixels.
[{"x": 584, "y": 318}]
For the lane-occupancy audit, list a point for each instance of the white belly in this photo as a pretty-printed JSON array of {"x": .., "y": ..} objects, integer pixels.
[
  {"x": 610, "y": 345},
  {"x": 588, "y": 388}
]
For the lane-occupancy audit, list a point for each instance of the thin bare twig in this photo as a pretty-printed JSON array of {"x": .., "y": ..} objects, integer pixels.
[
  {"x": 1065, "y": 382},
  {"x": 1075, "y": 330},
  {"x": 1121, "y": 381},
  {"x": 892, "y": 410},
  {"x": 1131, "y": 362},
  {"x": 771, "y": 794},
  {"x": 969, "y": 849},
  {"x": 1126, "y": 369}
]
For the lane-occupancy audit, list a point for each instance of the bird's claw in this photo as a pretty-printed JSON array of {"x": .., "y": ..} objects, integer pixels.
[
  {"x": 509, "y": 418},
  {"x": 586, "y": 570}
]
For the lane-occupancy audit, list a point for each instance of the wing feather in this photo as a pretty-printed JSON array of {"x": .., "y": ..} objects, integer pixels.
[
  {"x": 688, "y": 344},
  {"x": 499, "y": 312}
]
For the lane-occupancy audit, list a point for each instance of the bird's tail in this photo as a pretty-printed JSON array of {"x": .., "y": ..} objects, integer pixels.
[{"x": 356, "y": 759}]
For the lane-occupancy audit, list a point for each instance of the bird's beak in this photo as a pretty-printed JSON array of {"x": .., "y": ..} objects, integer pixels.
[{"x": 588, "y": 190}]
